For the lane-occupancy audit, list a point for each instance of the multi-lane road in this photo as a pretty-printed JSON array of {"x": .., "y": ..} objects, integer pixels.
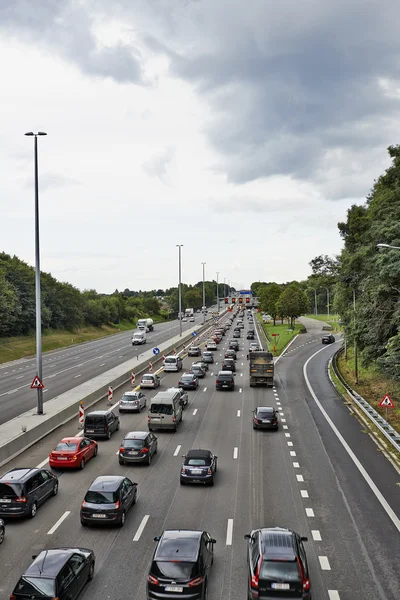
[
  {"x": 64, "y": 369},
  {"x": 320, "y": 474}
]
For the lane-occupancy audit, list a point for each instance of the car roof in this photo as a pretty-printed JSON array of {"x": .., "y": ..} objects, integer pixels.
[
  {"x": 136, "y": 435},
  {"x": 74, "y": 440},
  {"x": 176, "y": 540},
  {"x": 198, "y": 453},
  {"x": 98, "y": 412},
  {"x": 277, "y": 543},
  {"x": 187, "y": 375},
  {"x": 49, "y": 562},
  {"x": 131, "y": 393},
  {"x": 228, "y": 360},
  {"x": 106, "y": 483},
  {"x": 18, "y": 474},
  {"x": 225, "y": 373},
  {"x": 149, "y": 374},
  {"x": 266, "y": 408}
]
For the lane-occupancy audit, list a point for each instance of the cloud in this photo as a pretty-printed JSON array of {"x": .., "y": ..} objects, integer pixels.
[
  {"x": 52, "y": 180},
  {"x": 160, "y": 165}
]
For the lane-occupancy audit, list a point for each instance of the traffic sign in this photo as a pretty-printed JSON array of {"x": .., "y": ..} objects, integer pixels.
[
  {"x": 37, "y": 383},
  {"x": 386, "y": 402},
  {"x": 273, "y": 334},
  {"x": 156, "y": 350},
  {"x": 194, "y": 333}
]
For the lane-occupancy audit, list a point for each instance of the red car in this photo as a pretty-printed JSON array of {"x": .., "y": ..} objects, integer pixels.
[
  {"x": 217, "y": 338},
  {"x": 72, "y": 452}
]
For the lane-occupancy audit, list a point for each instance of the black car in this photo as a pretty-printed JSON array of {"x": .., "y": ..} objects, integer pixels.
[
  {"x": 2, "y": 531},
  {"x": 225, "y": 380},
  {"x": 328, "y": 339},
  {"x": 199, "y": 466},
  {"x": 228, "y": 364},
  {"x": 108, "y": 500},
  {"x": 194, "y": 351},
  {"x": 100, "y": 424},
  {"x": 208, "y": 357},
  {"x": 250, "y": 335},
  {"x": 234, "y": 345},
  {"x": 277, "y": 565},
  {"x": 265, "y": 417},
  {"x": 137, "y": 447},
  {"x": 56, "y": 573},
  {"x": 23, "y": 490},
  {"x": 184, "y": 578},
  {"x": 188, "y": 381}
]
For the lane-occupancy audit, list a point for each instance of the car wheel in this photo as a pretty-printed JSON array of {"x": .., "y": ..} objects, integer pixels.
[
  {"x": 55, "y": 489},
  {"x": 149, "y": 459},
  {"x": 155, "y": 451},
  {"x": 121, "y": 462},
  {"x": 109, "y": 435},
  {"x": 2, "y": 533},
  {"x": 33, "y": 510},
  {"x": 182, "y": 482},
  {"x": 150, "y": 429},
  {"x": 205, "y": 593},
  {"x": 122, "y": 520},
  {"x": 83, "y": 523},
  {"x": 91, "y": 572},
  {"x": 211, "y": 483},
  {"x": 82, "y": 465},
  {"x": 96, "y": 449},
  {"x": 118, "y": 426}
]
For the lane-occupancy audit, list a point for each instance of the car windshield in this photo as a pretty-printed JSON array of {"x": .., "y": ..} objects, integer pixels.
[
  {"x": 132, "y": 398},
  {"x": 265, "y": 414},
  {"x": 174, "y": 570},
  {"x": 148, "y": 378},
  {"x": 136, "y": 444},
  {"x": 103, "y": 497},
  {"x": 10, "y": 490},
  {"x": 163, "y": 409},
  {"x": 187, "y": 378},
  {"x": 280, "y": 570},
  {"x": 198, "y": 462},
  {"x": 170, "y": 359},
  {"x": 66, "y": 447},
  {"x": 36, "y": 587}
]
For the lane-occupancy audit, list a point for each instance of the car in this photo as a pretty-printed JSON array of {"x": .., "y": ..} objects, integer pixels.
[
  {"x": 254, "y": 347},
  {"x": 56, "y": 573},
  {"x": 234, "y": 345},
  {"x": 217, "y": 338},
  {"x": 202, "y": 363},
  {"x": 132, "y": 402},
  {"x": 328, "y": 339},
  {"x": 100, "y": 423},
  {"x": 197, "y": 370},
  {"x": 250, "y": 335},
  {"x": 228, "y": 364},
  {"x": 184, "y": 320},
  {"x": 230, "y": 353},
  {"x": 240, "y": 325},
  {"x": 208, "y": 357},
  {"x": 191, "y": 320},
  {"x": 236, "y": 334},
  {"x": 150, "y": 380},
  {"x": 225, "y": 380},
  {"x": 188, "y": 381},
  {"x": 184, "y": 398},
  {"x": 199, "y": 466},
  {"x": 265, "y": 417},
  {"x": 186, "y": 577},
  {"x": 221, "y": 331},
  {"x": 2, "y": 531},
  {"x": 137, "y": 447},
  {"x": 277, "y": 564},
  {"x": 107, "y": 500},
  {"x": 211, "y": 345},
  {"x": 23, "y": 490},
  {"x": 227, "y": 326},
  {"x": 73, "y": 452},
  {"x": 194, "y": 351}
]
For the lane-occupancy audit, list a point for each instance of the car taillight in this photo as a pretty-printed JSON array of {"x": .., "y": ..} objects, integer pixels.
[
  {"x": 83, "y": 503},
  {"x": 122, "y": 449},
  {"x": 117, "y": 504},
  {"x": 209, "y": 472},
  {"x": 20, "y": 499},
  {"x": 306, "y": 582},
  {"x": 197, "y": 581},
  {"x": 255, "y": 577},
  {"x": 152, "y": 580},
  {"x": 144, "y": 450},
  {"x": 275, "y": 421},
  {"x": 12, "y": 597},
  {"x": 148, "y": 418},
  {"x": 217, "y": 382}
]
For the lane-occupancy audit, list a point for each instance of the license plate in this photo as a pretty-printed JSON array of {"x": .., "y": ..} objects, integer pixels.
[
  {"x": 197, "y": 472},
  {"x": 225, "y": 386},
  {"x": 156, "y": 418},
  {"x": 62, "y": 458},
  {"x": 89, "y": 430},
  {"x": 280, "y": 586},
  {"x": 133, "y": 452},
  {"x": 5, "y": 500},
  {"x": 266, "y": 421},
  {"x": 99, "y": 516},
  {"x": 173, "y": 588}
]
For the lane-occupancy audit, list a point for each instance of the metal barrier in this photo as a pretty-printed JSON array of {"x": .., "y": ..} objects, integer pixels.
[{"x": 384, "y": 427}]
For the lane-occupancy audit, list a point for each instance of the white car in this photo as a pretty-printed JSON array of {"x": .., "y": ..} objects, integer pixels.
[
  {"x": 211, "y": 345},
  {"x": 184, "y": 320},
  {"x": 184, "y": 398},
  {"x": 191, "y": 320}
]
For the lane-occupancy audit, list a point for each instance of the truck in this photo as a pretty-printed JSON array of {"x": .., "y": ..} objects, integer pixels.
[
  {"x": 145, "y": 325},
  {"x": 138, "y": 337},
  {"x": 189, "y": 312},
  {"x": 261, "y": 364}
]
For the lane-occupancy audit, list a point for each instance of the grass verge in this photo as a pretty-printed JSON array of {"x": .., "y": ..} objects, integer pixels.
[
  {"x": 283, "y": 335},
  {"x": 333, "y": 320}
]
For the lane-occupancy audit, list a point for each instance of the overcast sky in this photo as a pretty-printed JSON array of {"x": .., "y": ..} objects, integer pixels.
[{"x": 241, "y": 129}]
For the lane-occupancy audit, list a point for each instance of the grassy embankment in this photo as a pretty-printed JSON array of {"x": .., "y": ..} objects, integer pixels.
[
  {"x": 285, "y": 334},
  {"x": 333, "y": 321}
]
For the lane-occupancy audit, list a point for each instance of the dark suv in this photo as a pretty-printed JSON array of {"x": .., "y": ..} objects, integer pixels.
[
  {"x": 101, "y": 423},
  {"x": 56, "y": 573},
  {"x": 138, "y": 446},
  {"x": 23, "y": 490},
  {"x": 328, "y": 339},
  {"x": 108, "y": 500},
  {"x": 277, "y": 565},
  {"x": 186, "y": 577},
  {"x": 225, "y": 380}
]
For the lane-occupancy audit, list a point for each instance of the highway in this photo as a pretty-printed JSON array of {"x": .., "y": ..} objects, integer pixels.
[
  {"x": 302, "y": 477},
  {"x": 68, "y": 367}
]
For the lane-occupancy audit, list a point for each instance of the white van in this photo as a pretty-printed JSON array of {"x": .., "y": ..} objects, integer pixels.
[
  {"x": 139, "y": 337},
  {"x": 165, "y": 411},
  {"x": 173, "y": 363}
]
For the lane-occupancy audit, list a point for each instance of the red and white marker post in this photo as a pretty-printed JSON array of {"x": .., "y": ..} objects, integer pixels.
[
  {"x": 110, "y": 396},
  {"x": 81, "y": 414}
]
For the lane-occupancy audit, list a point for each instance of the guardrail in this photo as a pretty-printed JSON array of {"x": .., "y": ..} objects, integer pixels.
[{"x": 384, "y": 427}]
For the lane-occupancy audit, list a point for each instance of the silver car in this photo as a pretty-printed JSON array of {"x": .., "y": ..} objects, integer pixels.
[
  {"x": 132, "y": 402},
  {"x": 150, "y": 380}
]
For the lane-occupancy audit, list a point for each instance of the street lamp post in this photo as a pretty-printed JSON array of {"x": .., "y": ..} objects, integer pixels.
[
  {"x": 355, "y": 340},
  {"x": 315, "y": 301},
  {"x": 37, "y": 278},
  {"x": 204, "y": 293},
  {"x": 217, "y": 294},
  {"x": 180, "y": 289},
  {"x": 327, "y": 299},
  {"x": 225, "y": 287}
]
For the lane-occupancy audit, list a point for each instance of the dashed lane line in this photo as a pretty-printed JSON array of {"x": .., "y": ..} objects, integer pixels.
[
  {"x": 316, "y": 535},
  {"x": 310, "y": 512},
  {"x": 304, "y": 494},
  {"x": 229, "y": 532},
  {"x": 324, "y": 562},
  {"x": 300, "y": 478},
  {"x": 195, "y": 411},
  {"x": 177, "y": 450},
  {"x": 58, "y": 523},
  {"x": 141, "y": 528},
  {"x": 235, "y": 452}
]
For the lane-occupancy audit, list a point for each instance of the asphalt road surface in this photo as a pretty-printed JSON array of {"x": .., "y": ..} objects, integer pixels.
[
  {"x": 300, "y": 477},
  {"x": 65, "y": 369}
]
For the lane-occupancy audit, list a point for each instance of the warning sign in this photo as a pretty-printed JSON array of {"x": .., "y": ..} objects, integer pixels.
[
  {"x": 386, "y": 402},
  {"x": 36, "y": 383}
]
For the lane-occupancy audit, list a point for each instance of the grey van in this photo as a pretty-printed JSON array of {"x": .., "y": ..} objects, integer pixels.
[
  {"x": 165, "y": 411},
  {"x": 100, "y": 423}
]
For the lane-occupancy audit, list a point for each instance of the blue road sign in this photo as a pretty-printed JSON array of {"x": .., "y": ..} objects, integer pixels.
[
  {"x": 194, "y": 333},
  {"x": 156, "y": 350}
]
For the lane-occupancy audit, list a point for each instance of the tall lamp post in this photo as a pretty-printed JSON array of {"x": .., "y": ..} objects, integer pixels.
[
  {"x": 327, "y": 299},
  {"x": 37, "y": 278},
  {"x": 315, "y": 301},
  {"x": 225, "y": 287},
  {"x": 204, "y": 293},
  {"x": 180, "y": 289},
  {"x": 217, "y": 294}
]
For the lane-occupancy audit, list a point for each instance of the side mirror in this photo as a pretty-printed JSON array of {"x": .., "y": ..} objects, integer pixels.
[
  {"x": 157, "y": 538},
  {"x": 247, "y": 536},
  {"x": 34, "y": 556},
  {"x": 213, "y": 541},
  {"x": 304, "y": 539},
  {"x": 234, "y": 374}
]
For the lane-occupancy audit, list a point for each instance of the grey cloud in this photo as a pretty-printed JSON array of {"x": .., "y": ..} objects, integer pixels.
[
  {"x": 52, "y": 180},
  {"x": 258, "y": 206},
  {"x": 159, "y": 165}
]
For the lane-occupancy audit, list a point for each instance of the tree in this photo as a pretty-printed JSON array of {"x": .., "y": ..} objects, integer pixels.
[
  {"x": 292, "y": 303},
  {"x": 193, "y": 299},
  {"x": 268, "y": 300}
]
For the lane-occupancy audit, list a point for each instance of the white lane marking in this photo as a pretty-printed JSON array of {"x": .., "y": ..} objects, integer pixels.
[
  {"x": 281, "y": 414},
  {"x": 287, "y": 434},
  {"x": 283, "y": 420},
  {"x": 240, "y": 390},
  {"x": 229, "y": 532},
  {"x": 76, "y": 376},
  {"x": 242, "y": 364},
  {"x": 333, "y": 595},
  {"x": 300, "y": 478},
  {"x": 58, "y": 523},
  {"x": 241, "y": 374},
  {"x": 275, "y": 393},
  {"x": 11, "y": 391},
  {"x": 380, "y": 497},
  {"x": 304, "y": 494},
  {"x": 238, "y": 413},
  {"x": 195, "y": 411},
  {"x": 285, "y": 427},
  {"x": 290, "y": 443},
  {"x": 20, "y": 377},
  {"x": 235, "y": 452},
  {"x": 212, "y": 374},
  {"x": 292, "y": 453},
  {"x": 177, "y": 450},
  {"x": 310, "y": 512},
  {"x": 102, "y": 364},
  {"x": 324, "y": 562},
  {"x": 296, "y": 465},
  {"x": 44, "y": 391},
  {"x": 205, "y": 389},
  {"x": 216, "y": 363},
  {"x": 316, "y": 535},
  {"x": 41, "y": 465},
  {"x": 277, "y": 403},
  {"x": 140, "y": 528}
]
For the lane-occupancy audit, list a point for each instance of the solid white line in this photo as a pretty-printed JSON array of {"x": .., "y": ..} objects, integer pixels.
[
  {"x": 41, "y": 465},
  {"x": 380, "y": 497},
  {"x": 235, "y": 452},
  {"x": 292, "y": 453},
  {"x": 316, "y": 535},
  {"x": 229, "y": 532},
  {"x": 140, "y": 528},
  {"x": 177, "y": 450},
  {"x": 299, "y": 477},
  {"x": 296, "y": 465},
  {"x": 58, "y": 523},
  {"x": 195, "y": 411},
  {"x": 310, "y": 512},
  {"x": 304, "y": 493},
  {"x": 238, "y": 413},
  {"x": 324, "y": 562},
  {"x": 333, "y": 595}
]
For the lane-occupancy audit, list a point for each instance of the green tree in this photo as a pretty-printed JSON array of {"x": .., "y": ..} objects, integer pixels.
[
  {"x": 292, "y": 303},
  {"x": 268, "y": 299},
  {"x": 193, "y": 299}
]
